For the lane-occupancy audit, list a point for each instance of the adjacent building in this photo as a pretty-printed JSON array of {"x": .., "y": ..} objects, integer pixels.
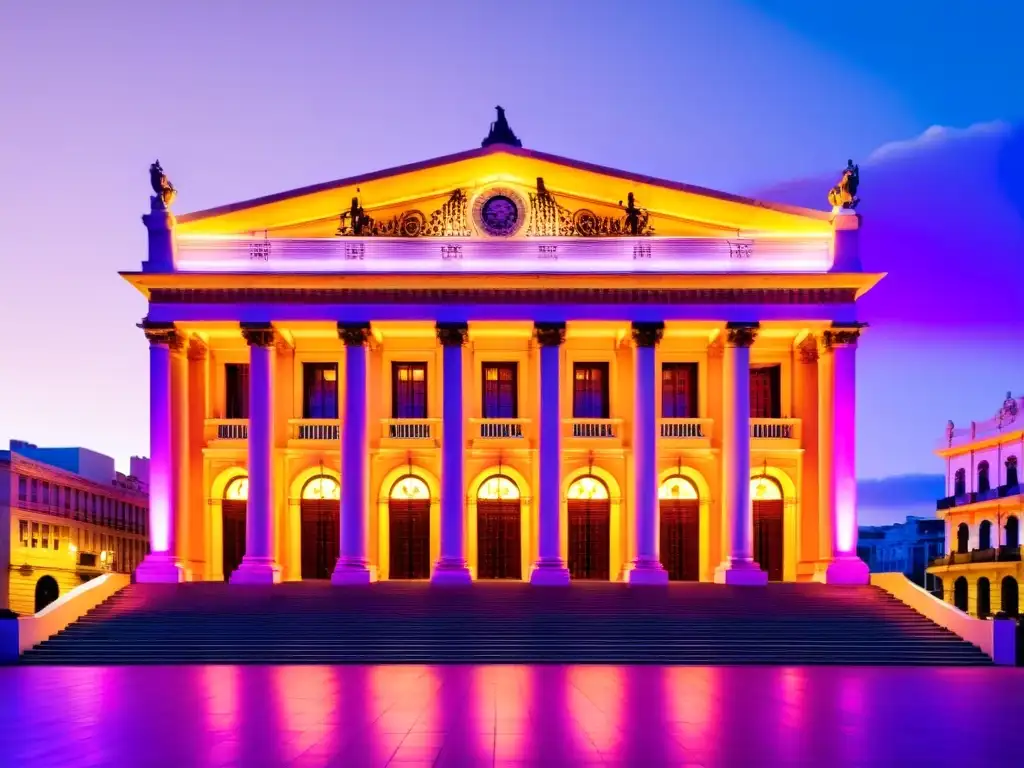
[
  {"x": 502, "y": 364},
  {"x": 908, "y": 548},
  {"x": 70, "y": 517},
  {"x": 981, "y": 571}
]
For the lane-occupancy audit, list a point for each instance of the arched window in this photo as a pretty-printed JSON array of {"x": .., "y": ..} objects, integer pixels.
[
  {"x": 322, "y": 488},
  {"x": 1012, "y": 478},
  {"x": 498, "y": 488},
  {"x": 765, "y": 489},
  {"x": 960, "y": 482},
  {"x": 678, "y": 488},
  {"x": 588, "y": 488},
  {"x": 237, "y": 490},
  {"x": 963, "y": 538},
  {"x": 1010, "y": 598},
  {"x": 983, "y": 483},
  {"x": 985, "y": 535},
  {"x": 960, "y": 594},
  {"x": 984, "y": 597},
  {"x": 1013, "y": 531},
  {"x": 410, "y": 488}
]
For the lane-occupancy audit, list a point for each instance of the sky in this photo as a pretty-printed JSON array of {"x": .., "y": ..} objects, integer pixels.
[{"x": 242, "y": 99}]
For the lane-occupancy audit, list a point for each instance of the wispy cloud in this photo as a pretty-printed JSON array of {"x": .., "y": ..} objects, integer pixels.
[{"x": 937, "y": 134}]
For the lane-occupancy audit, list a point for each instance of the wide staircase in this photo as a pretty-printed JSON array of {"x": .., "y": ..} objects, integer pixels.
[{"x": 414, "y": 623}]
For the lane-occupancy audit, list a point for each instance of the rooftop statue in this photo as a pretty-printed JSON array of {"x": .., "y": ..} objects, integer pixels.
[
  {"x": 162, "y": 186},
  {"x": 501, "y": 132},
  {"x": 844, "y": 194}
]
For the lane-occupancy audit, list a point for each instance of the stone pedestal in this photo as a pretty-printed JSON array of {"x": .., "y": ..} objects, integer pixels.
[
  {"x": 160, "y": 225},
  {"x": 159, "y": 568}
]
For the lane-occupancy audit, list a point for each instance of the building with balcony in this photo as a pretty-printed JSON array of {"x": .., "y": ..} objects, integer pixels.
[
  {"x": 502, "y": 364},
  {"x": 981, "y": 570},
  {"x": 70, "y": 517},
  {"x": 908, "y": 548}
]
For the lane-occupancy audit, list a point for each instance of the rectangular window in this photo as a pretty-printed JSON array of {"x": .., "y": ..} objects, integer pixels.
[
  {"x": 46, "y": 493},
  {"x": 35, "y": 535},
  {"x": 34, "y": 497},
  {"x": 590, "y": 391},
  {"x": 236, "y": 390},
  {"x": 500, "y": 393},
  {"x": 45, "y": 537},
  {"x": 766, "y": 392},
  {"x": 409, "y": 390},
  {"x": 22, "y": 489},
  {"x": 679, "y": 391},
  {"x": 67, "y": 500},
  {"x": 23, "y": 532},
  {"x": 319, "y": 390}
]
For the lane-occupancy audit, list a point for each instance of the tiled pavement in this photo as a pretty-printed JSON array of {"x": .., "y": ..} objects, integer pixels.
[{"x": 194, "y": 717}]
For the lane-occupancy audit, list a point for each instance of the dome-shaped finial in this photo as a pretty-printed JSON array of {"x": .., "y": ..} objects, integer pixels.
[{"x": 501, "y": 132}]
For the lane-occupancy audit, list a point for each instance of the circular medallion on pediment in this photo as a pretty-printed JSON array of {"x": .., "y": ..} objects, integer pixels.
[{"x": 499, "y": 212}]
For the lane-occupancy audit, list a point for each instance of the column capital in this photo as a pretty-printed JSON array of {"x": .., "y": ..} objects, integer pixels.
[
  {"x": 808, "y": 350},
  {"x": 161, "y": 334},
  {"x": 741, "y": 334},
  {"x": 549, "y": 334},
  {"x": 648, "y": 334},
  {"x": 452, "y": 334},
  {"x": 258, "y": 334},
  {"x": 354, "y": 334},
  {"x": 842, "y": 335},
  {"x": 197, "y": 350},
  {"x": 716, "y": 349}
]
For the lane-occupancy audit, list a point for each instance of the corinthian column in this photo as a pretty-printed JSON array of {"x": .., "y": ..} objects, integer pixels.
[
  {"x": 451, "y": 567},
  {"x": 837, "y": 471},
  {"x": 647, "y": 568},
  {"x": 161, "y": 564},
  {"x": 739, "y": 567},
  {"x": 258, "y": 564},
  {"x": 354, "y": 565},
  {"x": 550, "y": 569}
]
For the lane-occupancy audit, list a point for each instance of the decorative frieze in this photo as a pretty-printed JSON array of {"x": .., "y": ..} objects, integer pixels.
[
  {"x": 741, "y": 334},
  {"x": 452, "y": 334},
  {"x": 258, "y": 334},
  {"x": 549, "y": 334},
  {"x": 648, "y": 334},
  {"x": 354, "y": 334}
]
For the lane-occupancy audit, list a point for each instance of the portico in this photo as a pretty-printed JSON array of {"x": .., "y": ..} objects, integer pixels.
[{"x": 505, "y": 388}]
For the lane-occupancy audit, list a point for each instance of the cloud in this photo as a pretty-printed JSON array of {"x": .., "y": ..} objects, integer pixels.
[{"x": 937, "y": 134}]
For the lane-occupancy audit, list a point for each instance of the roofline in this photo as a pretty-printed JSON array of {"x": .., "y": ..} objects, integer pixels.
[{"x": 364, "y": 178}]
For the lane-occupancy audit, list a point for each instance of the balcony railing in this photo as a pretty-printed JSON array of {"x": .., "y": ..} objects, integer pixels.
[
  {"x": 499, "y": 429},
  {"x": 410, "y": 429},
  {"x": 775, "y": 429},
  {"x": 315, "y": 429},
  {"x": 1000, "y": 492},
  {"x": 594, "y": 429},
  {"x": 227, "y": 429},
  {"x": 685, "y": 429},
  {"x": 1002, "y": 554}
]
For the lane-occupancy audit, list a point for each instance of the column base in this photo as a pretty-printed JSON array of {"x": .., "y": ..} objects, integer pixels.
[
  {"x": 256, "y": 571},
  {"x": 159, "y": 568},
  {"x": 550, "y": 573},
  {"x": 451, "y": 573},
  {"x": 741, "y": 573},
  {"x": 347, "y": 573},
  {"x": 647, "y": 573},
  {"x": 844, "y": 570}
]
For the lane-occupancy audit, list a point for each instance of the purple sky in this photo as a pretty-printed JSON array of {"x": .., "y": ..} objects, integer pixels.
[{"x": 238, "y": 100}]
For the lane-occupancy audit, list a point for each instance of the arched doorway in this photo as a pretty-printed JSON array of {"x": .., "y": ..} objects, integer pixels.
[
  {"x": 985, "y": 535},
  {"x": 960, "y": 594},
  {"x": 318, "y": 513},
  {"x": 679, "y": 508},
  {"x": 768, "y": 504},
  {"x": 963, "y": 538},
  {"x": 1010, "y": 597},
  {"x": 46, "y": 592},
  {"x": 499, "y": 544},
  {"x": 984, "y": 597},
  {"x": 409, "y": 529},
  {"x": 233, "y": 510},
  {"x": 589, "y": 511},
  {"x": 1013, "y": 531}
]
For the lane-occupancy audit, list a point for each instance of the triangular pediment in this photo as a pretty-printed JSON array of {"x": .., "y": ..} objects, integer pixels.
[{"x": 504, "y": 191}]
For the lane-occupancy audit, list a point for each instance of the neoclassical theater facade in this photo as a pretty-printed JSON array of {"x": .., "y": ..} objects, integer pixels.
[{"x": 502, "y": 364}]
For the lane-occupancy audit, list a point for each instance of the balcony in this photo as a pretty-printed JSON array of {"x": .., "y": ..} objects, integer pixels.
[
  {"x": 597, "y": 430},
  {"x": 1002, "y": 554},
  {"x": 226, "y": 430},
  {"x": 486, "y": 433},
  {"x": 683, "y": 433},
  {"x": 769, "y": 434},
  {"x": 1000, "y": 492},
  {"x": 314, "y": 430},
  {"x": 409, "y": 432}
]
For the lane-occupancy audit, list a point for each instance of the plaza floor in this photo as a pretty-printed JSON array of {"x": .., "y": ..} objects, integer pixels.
[{"x": 195, "y": 717}]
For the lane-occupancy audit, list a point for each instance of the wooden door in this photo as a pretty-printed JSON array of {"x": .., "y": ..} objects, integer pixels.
[
  {"x": 498, "y": 539},
  {"x": 680, "y": 538},
  {"x": 320, "y": 537},
  {"x": 409, "y": 537},
  {"x": 589, "y": 538},
  {"x": 233, "y": 534},
  {"x": 768, "y": 537}
]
